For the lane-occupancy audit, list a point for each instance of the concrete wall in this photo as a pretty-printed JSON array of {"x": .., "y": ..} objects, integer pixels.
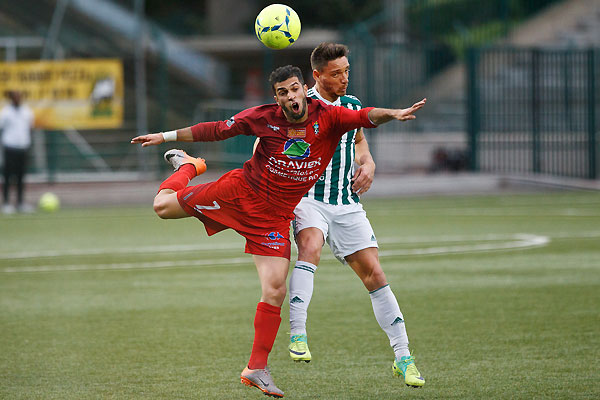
[{"x": 411, "y": 152}]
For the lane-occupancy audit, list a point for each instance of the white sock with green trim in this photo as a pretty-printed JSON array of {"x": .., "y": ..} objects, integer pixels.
[
  {"x": 301, "y": 290},
  {"x": 390, "y": 319}
]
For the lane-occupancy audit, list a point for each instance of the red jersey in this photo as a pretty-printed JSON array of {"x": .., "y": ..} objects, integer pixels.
[{"x": 291, "y": 156}]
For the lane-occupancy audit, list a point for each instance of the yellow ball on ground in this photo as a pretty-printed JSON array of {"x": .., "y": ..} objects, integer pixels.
[{"x": 49, "y": 202}]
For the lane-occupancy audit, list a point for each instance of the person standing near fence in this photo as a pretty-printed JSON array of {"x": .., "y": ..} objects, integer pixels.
[
  {"x": 331, "y": 211},
  {"x": 16, "y": 121}
]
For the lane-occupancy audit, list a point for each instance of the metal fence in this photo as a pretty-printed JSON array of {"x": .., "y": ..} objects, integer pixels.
[
  {"x": 530, "y": 111},
  {"x": 534, "y": 111},
  {"x": 412, "y": 40}
]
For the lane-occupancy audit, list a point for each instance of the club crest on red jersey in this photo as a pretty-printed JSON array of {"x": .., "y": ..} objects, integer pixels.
[
  {"x": 296, "y": 133},
  {"x": 316, "y": 128}
]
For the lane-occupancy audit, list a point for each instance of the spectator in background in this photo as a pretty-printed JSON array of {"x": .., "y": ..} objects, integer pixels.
[
  {"x": 453, "y": 160},
  {"x": 16, "y": 121}
]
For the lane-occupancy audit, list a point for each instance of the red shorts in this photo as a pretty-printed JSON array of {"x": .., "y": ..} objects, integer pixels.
[{"x": 231, "y": 203}]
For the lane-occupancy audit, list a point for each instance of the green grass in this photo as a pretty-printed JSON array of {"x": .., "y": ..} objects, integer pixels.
[{"x": 117, "y": 304}]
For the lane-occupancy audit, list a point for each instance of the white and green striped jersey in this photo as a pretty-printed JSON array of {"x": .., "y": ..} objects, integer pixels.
[{"x": 334, "y": 186}]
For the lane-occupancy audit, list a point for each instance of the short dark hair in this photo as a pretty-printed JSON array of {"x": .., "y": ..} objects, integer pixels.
[
  {"x": 283, "y": 74},
  {"x": 326, "y": 52}
]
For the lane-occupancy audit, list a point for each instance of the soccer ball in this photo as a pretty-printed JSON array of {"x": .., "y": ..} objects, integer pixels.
[
  {"x": 277, "y": 26},
  {"x": 49, "y": 202}
]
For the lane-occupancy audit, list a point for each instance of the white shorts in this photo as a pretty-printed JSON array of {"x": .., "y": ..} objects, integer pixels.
[{"x": 345, "y": 228}]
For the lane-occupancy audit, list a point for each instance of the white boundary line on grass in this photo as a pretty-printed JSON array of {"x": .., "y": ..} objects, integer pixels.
[
  {"x": 507, "y": 242},
  {"x": 523, "y": 241},
  {"x": 226, "y": 246},
  {"x": 131, "y": 266},
  {"x": 495, "y": 212},
  {"x": 137, "y": 250}
]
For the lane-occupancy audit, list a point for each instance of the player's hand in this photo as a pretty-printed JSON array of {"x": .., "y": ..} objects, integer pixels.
[
  {"x": 363, "y": 178},
  {"x": 150, "y": 139},
  {"x": 406, "y": 114}
]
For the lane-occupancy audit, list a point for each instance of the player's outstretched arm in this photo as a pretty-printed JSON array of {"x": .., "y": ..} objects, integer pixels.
[
  {"x": 152, "y": 139},
  {"x": 382, "y": 115}
]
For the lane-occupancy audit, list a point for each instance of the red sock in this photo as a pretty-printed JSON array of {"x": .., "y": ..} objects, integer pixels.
[
  {"x": 266, "y": 325},
  {"x": 180, "y": 178}
]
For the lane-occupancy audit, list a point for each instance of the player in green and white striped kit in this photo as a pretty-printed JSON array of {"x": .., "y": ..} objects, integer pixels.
[{"x": 331, "y": 211}]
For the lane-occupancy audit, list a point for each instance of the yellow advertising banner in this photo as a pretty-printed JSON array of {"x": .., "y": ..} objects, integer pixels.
[{"x": 68, "y": 94}]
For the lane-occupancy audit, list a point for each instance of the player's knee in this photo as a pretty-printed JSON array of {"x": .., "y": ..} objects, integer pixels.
[
  {"x": 279, "y": 293},
  {"x": 310, "y": 250},
  {"x": 378, "y": 277},
  {"x": 161, "y": 207},
  {"x": 313, "y": 257},
  {"x": 310, "y": 242},
  {"x": 374, "y": 278},
  {"x": 275, "y": 295}
]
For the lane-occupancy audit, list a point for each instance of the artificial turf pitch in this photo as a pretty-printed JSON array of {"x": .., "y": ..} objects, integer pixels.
[{"x": 501, "y": 296}]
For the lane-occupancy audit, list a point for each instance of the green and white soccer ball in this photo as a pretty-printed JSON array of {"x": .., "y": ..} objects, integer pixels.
[
  {"x": 49, "y": 202},
  {"x": 277, "y": 26}
]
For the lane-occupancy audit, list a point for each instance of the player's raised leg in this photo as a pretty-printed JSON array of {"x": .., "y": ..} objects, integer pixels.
[
  {"x": 387, "y": 312},
  {"x": 272, "y": 273},
  {"x": 186, "y": 168}
]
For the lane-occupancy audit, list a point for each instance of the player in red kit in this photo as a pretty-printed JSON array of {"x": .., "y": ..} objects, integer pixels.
[{"x": 298, "y": 139}]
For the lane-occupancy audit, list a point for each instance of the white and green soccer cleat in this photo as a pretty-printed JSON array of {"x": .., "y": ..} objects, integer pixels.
[
  {"x": 299, "y": 348},
  {"x": 406, "y": 368}
]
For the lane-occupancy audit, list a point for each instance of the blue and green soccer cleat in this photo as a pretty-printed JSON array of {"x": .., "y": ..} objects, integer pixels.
[
  {"x": 299, "y": 348},
  {"x": 406, "y": 367}
]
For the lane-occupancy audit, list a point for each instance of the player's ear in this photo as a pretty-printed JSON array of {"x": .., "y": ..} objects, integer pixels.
[
  {"x": 316, "y": 74},
  {"x": 305, "y": 90}
]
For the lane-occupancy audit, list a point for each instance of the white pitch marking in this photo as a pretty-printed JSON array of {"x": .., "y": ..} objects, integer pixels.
[
  {"x": 516, "y": 241},
  {"x": 497, "y": 212},
  {"x": 234, "y": 245},
  {"x": 136, "y": 250},
  {"x": 448, "y": 238},
  {"x": 523, "y": 241},
  {"x": 128, "y": 266}
]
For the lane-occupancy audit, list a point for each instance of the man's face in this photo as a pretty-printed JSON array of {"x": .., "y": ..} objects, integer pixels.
[
  {"x": 15, "y": 97},
  {"x": 291, "y": 97},
  {"x": 333, "y": 78}
]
